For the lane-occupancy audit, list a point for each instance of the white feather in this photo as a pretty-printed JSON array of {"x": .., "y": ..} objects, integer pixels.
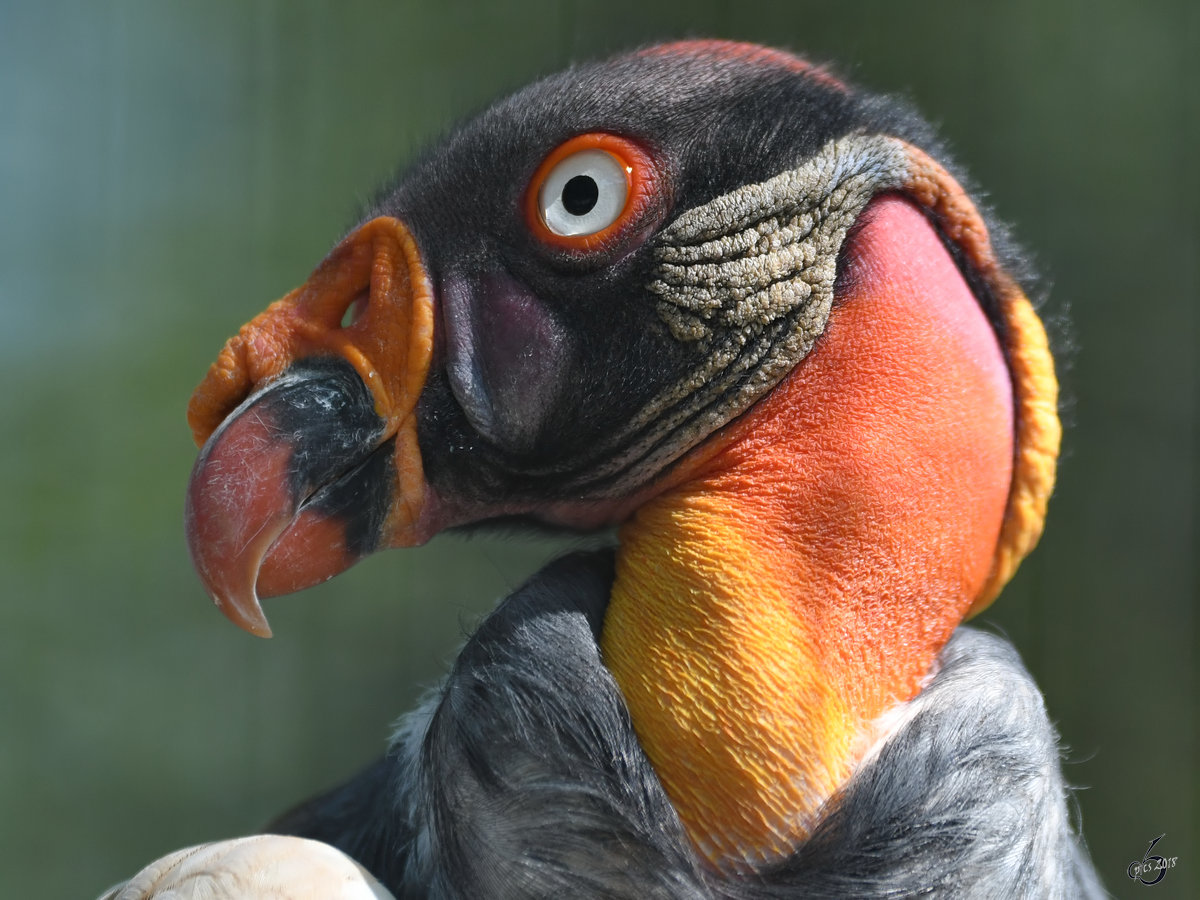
[{"x": 262, "y": 867}]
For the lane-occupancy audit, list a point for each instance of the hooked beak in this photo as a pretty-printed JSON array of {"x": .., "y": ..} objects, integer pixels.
[{"x": 308, "y": 425}]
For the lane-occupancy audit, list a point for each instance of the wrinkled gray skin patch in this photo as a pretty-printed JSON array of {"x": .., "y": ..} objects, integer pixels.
[
  {"x": 747, "y": 280},
  {"x": 769, "y": 251}
]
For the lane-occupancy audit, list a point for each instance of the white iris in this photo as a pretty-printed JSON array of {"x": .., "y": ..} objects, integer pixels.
[{"x": 584, "y": 193}]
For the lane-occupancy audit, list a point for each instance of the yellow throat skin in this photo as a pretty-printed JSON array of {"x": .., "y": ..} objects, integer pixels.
[
  {"x": 746, "y": 733},
  {"x": 800, "y": 577}
]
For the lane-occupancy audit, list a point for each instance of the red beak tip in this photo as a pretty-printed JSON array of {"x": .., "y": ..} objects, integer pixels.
[
  {"x": 262, "y": 629},
  {"x": 247, "y": 616}
]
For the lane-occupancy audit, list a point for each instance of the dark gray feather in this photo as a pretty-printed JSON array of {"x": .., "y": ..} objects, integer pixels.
[{"x": 522, "y": 777}]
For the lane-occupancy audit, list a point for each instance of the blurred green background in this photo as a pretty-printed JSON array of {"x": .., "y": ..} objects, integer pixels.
[{"x": 166, "y": 169}]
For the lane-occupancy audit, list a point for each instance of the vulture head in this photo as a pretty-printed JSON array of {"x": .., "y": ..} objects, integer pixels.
[{"x": 706, "y": 293}]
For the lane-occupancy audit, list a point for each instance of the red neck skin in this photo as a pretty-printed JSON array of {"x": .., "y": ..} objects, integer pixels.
[{"x": 799, "y": 579}]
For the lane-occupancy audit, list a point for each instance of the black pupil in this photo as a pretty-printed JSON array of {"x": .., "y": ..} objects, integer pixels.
[{"x": 579, "y": 195}]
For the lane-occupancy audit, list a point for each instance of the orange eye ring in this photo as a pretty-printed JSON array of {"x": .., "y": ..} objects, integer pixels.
[{"x": 630, "y": 159}]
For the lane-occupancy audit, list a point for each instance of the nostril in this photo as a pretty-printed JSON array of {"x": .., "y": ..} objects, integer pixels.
[{"x": 357, "y": 308}]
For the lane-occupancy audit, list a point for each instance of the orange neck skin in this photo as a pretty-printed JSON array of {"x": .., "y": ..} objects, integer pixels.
[{"x": 800, "y": 577}]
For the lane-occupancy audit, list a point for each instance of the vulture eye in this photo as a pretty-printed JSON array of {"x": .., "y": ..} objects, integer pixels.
[
  {"x": 588, "y": 191},
  {"x": 584, "y": 193}
]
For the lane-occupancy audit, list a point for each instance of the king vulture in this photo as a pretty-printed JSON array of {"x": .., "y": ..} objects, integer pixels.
[{"x": 713, "y": 297}]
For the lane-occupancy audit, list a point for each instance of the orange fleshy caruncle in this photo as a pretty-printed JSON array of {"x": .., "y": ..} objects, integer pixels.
[
  {"x": 378, "y": 270},
  {"x": 248, "y": 529}
]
